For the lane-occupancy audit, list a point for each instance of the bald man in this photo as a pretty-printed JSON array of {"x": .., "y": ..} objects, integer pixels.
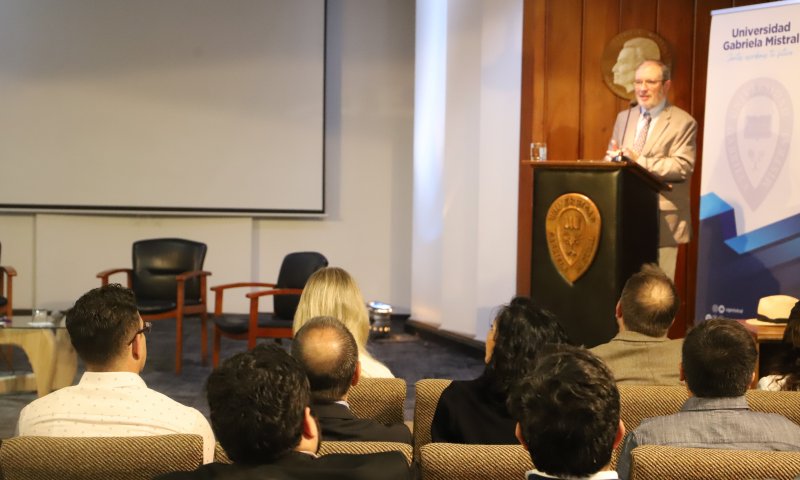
[
  {"x": 641, "y": 353},
  {"x": 329, "y": 355}
]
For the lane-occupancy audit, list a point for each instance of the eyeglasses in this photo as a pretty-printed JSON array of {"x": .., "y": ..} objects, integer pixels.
[
  {"x": 145, "y": 329},
  {"x": 649, "y": 83}
]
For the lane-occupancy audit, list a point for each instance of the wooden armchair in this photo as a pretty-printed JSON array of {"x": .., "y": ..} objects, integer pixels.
[
  {"x": 169, "y": 282},
  {"x": 7, "y": 274},
  {"x": 294, "y": 273}
]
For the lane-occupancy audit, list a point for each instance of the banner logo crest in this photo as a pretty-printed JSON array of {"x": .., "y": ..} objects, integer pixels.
[{"x": 758, "y": 133}]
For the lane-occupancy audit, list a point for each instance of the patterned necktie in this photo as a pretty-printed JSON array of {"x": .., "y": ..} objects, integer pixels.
[{"x": 638, "y": 145}]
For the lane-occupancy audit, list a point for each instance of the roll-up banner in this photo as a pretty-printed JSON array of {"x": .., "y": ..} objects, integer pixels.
[{"x": 749, "y": 238}]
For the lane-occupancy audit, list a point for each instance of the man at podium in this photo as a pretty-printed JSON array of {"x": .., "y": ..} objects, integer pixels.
[{"x": 663, "y": 139}]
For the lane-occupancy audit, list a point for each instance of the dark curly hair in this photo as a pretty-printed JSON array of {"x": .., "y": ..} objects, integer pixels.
[
  {"x": 521, "y": 328},
  {"x": 788, "y": 366},
  {"x": 257, "y": 401},
  {"x": 568, "y": 409}
]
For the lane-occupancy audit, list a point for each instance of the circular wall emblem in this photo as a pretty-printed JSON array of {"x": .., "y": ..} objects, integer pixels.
[
  {"x": 572, "y": 227},
  {"x": 625, "y": 52}
]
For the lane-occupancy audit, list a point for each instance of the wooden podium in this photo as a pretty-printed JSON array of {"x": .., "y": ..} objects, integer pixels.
[{"x": 594, "y": 224}]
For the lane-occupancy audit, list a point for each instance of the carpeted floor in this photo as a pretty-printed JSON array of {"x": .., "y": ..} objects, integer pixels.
[{"x": 408, "y": 356}]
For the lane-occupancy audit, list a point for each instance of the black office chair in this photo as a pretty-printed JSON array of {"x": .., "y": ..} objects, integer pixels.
[
  {"x": 169, "y": 282},
  {"x": 294, "y": 273}
]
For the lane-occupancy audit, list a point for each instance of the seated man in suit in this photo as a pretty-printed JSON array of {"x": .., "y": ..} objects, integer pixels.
[
  {"x": 260, "y": 412},
  {"x": 641, "y": 353},
  {"x": 719, "y": 358},
  {"x": 111, "y": 399},
  {"x": 329, "y": 355},
  {"x": 567, "y": 410}
]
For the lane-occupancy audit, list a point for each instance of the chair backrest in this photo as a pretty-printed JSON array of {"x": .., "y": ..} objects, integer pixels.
[
  {"x": 295, "y": 270},
  {"x": 783, "y": 403},
  {"x": 427, "y": 395},
  {"x": 380, "y": 399},
  {"x": 109, "y": 458},
  {"x": 446, "y": 461},
  {"x": 665, "y": 463},
  {"x": 360, "y": 448},
  {"x": 157, "y": 261},
  {"x": 221, "y": 456},
  {"x": 638, "y": 402}
]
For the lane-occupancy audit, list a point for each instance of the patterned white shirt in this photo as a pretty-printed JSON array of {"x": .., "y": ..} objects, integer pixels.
[{"x": 110, "y": 404}]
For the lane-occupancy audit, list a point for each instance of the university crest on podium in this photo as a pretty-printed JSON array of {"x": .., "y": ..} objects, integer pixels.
[{"x": 573, "y": 233}]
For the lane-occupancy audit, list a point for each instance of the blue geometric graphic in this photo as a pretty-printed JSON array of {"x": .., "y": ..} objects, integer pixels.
[{"x": 734, "y": 272}]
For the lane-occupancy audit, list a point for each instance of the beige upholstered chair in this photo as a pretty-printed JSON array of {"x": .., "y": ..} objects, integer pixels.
[
  {"x": 446, "y": 461},
  {"x": 428, "y": 392},
  {"x": 107, "y": 458},
  {"x": 673, "y": 463},
  {"x": 783, "y": 403},
  {"x": 220, "y": 455},
  {"x": 366, "y": 447},
  {"x": 644, "y": 401},
  {"x": 638, "y": 402},
  {"x": 339, "y": 447},
  {"x": 380, "y": 399}
]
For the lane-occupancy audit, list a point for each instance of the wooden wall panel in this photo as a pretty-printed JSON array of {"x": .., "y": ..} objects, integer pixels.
[
  {"x": 679, "y": 33},
  {"x": 563, "y": 76},
  {"x": 597, "y": 106},
  {"x": 638, "y": 14}
]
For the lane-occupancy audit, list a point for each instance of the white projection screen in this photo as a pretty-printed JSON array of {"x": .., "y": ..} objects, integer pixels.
[{"x": 186, "y": 106}]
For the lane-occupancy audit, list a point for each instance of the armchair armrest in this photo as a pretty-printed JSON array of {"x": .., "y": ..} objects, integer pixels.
[
  {"x": 103, "y": 276},
  {"x": 181, "y": 280},
  {"x": 254, "y": 296},
  {"x": 219, "y": 291},
  {"x": 8, "y": 270}
]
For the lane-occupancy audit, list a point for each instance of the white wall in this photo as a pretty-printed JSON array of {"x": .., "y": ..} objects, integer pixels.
[
  {"x": 369, "y": 110},
  {"x": 466, "y": 137}
]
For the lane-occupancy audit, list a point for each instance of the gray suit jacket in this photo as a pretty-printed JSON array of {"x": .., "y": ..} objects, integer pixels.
[
  {"x": 669, "y": 153},
  {"x": 636, "y": 359}
]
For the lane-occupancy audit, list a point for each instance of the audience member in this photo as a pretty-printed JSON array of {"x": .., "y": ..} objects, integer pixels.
[
  {"x": 786, "y": 374},
  {"x": 111, "y": 398},
  {"x": 332, "y": 292},
  {"x": 641, "y": 353},
  {"x": 567, "y": 409},
  {"x": 259, "y": 403},
  {"x": 719, "y": 358},
  {"x": 474, "y": 411},
  {"x": 328, "y": 353}
]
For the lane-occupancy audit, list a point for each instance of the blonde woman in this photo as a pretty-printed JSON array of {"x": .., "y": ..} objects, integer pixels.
[{"x": 332, "y": 292}]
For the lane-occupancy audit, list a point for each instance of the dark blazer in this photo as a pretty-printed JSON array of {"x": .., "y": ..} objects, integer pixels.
[
  {"x": 300, "y": 466},
  {"x": 469, "y": 412},
  {"x": 339, "y": 423}
]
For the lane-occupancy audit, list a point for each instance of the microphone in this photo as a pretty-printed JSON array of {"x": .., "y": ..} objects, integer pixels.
[{"x": 620, "y": 157}]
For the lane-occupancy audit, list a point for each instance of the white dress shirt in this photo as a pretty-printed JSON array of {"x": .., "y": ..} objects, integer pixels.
[{"x": 112, "y": 404}]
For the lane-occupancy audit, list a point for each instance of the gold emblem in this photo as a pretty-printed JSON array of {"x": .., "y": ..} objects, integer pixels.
[
  {"x": 625, "y": 52},
  {"x": 573, "y": 233}
]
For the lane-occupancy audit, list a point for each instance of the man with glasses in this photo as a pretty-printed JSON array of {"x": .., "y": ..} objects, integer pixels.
[
  {"x": 111, "y": 398},
  {"x": 663, "y": 139}
]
